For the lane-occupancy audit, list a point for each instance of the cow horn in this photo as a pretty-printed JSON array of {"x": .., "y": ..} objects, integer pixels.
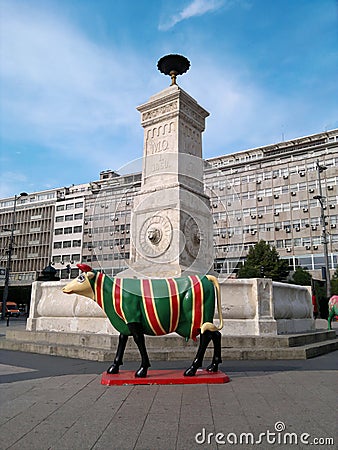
[{"x": 84, "y": 267}]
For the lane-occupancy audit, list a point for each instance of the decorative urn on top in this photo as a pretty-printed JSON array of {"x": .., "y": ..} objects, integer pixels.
[{"x": 173, "y": 65}]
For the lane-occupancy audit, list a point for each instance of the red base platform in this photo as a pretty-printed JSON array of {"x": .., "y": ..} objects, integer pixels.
[{"x": 164, "y": 377}]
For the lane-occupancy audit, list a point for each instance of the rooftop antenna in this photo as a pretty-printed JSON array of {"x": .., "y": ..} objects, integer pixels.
[{"x": 283, "y": 136}]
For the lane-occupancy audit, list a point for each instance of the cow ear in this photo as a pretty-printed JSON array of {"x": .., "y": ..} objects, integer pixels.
[{"x": 90, "y": 275}]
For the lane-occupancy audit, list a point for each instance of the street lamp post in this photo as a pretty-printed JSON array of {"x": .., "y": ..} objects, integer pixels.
[
  {"x": 321, "y": 200},
  {"x": 9, "y": 257}
]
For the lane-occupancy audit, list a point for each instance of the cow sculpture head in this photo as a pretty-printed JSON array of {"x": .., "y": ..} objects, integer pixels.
[{"x": 82, "y": 284}]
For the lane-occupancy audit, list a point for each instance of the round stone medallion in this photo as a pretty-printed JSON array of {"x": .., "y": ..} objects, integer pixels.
[
  {"x": 192, "y": 236},
  {"x": 155, "y": 236}
]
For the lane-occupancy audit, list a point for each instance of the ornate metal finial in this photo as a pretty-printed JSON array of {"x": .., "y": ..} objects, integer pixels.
[{"x": 173, "y": 65}]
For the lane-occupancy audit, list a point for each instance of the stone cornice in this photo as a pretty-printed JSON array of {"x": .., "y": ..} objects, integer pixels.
[{"x": 170, "y": 105}]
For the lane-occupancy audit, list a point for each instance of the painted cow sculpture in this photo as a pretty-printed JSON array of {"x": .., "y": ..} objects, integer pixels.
[
  {"x": 155, "y": 307},
  {"x": 333, "y": 310}
]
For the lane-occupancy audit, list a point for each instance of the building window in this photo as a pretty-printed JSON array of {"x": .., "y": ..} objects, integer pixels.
[
  {"x": 78, "y": 216},
  {"x": 59, "y": 219},
  {"x": 77, "y": 243},
  {"x": 70, "y": 206},
  {"x": 57, "y": 244},
  {"x": 60, "y": 207},
  {"x": 78, "y": 229},
  {"x": 78, "y": 205},
  {"x": 316, "y": 240},
  {"x": 68, "y": 230},
  {"x": 67, "y": 244},
  {"x": 69, "y": 217},
  {"x": 58, "y": 231}
]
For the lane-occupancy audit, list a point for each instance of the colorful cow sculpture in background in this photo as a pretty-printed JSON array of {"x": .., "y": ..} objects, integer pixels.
[
  {"x": 155, "y": 307},
  {"x": 333, "y": 310}
]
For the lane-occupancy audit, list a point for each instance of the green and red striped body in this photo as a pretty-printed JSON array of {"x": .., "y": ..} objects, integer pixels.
[{"x": 162, "y": 306}]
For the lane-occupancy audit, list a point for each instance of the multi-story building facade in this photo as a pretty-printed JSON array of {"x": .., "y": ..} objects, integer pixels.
[
  {"x": 268, "y": 193},
  {"x": 107, "y": 221},
  {"x": 32, "y": 230},
  {"x": 68, "y": 229},
  {"x": 26, "y": 227}
]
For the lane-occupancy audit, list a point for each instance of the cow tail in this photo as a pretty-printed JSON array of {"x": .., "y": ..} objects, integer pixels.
[{"x": 208, "y": 325}]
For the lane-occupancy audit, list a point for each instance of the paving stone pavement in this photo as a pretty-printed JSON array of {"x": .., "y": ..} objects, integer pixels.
[{"x": 49, "y": 402}]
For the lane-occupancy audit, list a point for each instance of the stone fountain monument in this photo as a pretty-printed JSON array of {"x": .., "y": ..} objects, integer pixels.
[{"x": 171, "y": 233}]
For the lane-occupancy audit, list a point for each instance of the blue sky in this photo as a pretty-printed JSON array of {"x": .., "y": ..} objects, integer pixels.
[{"x": 72, "y": 73}]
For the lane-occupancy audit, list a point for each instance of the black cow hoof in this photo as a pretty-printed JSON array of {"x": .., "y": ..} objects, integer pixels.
[
  {"x": 213, "y": 367},
  {"x": 190, "y": 372},
  {"x": 113, "y": 369},
  {"x": 142, "y": 372}
]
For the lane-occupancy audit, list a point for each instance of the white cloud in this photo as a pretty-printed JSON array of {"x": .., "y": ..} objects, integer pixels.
[
  {"x": 60, "y": 88},
  {"x": 195, "y": 8},
  {"x": 60, "y": 91}
]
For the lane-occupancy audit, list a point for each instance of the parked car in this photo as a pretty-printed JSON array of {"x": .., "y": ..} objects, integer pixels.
[{"x": 12, "y": 309}]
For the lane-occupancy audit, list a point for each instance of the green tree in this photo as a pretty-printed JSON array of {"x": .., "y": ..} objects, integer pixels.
[
  {"x": 302, "y": 277},
  {"x": 264, "y": 261}
]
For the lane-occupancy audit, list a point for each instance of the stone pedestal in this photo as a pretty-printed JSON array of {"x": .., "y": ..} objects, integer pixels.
[
  {"x": 250, "y": 307},
  {"x": 171, "y": 227},
  {"x": 52, "y": 310},
  {"x": 262, "y": 307}
]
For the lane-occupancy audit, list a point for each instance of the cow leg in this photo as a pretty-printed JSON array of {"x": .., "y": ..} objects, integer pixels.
[
  {"x": 329, "y": 320},
  {"x": 138, "y": 335},
  {"x": 118, "y": 361},
  {"x": 204, "y": 342},
  {"x": 217, "y": 357}
]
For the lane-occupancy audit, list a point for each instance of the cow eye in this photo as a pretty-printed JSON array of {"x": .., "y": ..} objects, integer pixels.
[{"x": 81, "y": 278}]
